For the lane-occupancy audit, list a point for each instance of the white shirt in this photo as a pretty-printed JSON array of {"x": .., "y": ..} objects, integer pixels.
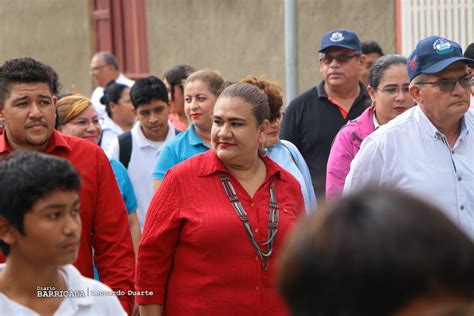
[
  {"x": 412, "y": 155},
  {"x": 99, "y": 92},
  {"x": 144, "y": 155},
  {"x": 110, "y": 131},
  {"x": 91, "y": 302}
]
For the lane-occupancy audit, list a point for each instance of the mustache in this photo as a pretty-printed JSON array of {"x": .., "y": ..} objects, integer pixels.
[
  {"x": 336, "y": 72},
  {"x": 37, "y": 123}
]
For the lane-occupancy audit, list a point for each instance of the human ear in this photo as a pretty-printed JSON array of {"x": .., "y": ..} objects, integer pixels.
[
  {"x": 7, "y": 232},
  {"x": 371, "y": 92},
  {"x": 415, "y": 93},
  {"x": 263, "y": 130}
]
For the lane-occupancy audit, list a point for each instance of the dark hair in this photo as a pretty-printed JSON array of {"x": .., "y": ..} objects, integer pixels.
[
  {"x": 25, "y": 177},
  {"x": 146, "y": 90},
  {"x": 273, "y": 92},
  {"x": 176, "y": 76},
  {"x": 379, "y": 67},
  {"x": 253, "y": 95},
  {"x": 214, "y": 81},
  {"x": 26, "y": 70},
  {"x": 370, "y": 47},
  {"x": 112, "y": 93},
  {"x": 469, "y": 53},
  {"x": 372, "y": 253},
  {"x": 109, "y": 58}
]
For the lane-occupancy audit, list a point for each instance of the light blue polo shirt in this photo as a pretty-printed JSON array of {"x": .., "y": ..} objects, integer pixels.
[
  {"x": 185, "y": 145},
  {"x": 125, "y": 186}
]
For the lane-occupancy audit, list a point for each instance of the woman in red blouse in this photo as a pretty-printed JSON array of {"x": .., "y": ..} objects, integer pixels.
[{"x": 216, "y": 225}]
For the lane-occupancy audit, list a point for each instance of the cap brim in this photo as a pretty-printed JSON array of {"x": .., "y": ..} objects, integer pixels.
[
  {"x": 440, "y": 66},
  {"x": 343, "y": 46}
]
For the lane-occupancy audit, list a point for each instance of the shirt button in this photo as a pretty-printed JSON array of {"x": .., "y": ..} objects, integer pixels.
[
  {"x": 256, "y": 258},
  {"x": 452, "y": 152},
  {"x": 459, "y": 178},
  {"x": 256, "y": 230},
  {"x": 252, "y": 204},
  {"x": 257, "y": 287},
  {"x": 462, "y": 207}
]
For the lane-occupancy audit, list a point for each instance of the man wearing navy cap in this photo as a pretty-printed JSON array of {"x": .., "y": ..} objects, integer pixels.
[
  {"x": 313, "y": 118},
  {"x": 429, "y": 149}
]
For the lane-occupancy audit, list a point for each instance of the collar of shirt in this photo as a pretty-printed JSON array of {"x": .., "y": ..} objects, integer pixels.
[
  {"x": 56, "y": 141},
  {"x": 124, "y": 80},
  {"x": 322, "y": 92},
  {"x": 109, "y": 124},
  {"x": 426, "y": 124},
  {"x": 142, "y": 141},
  {"x": 376, "y": 123},
  {"x": 193, "y": 137},
  {"x": 212, "y": 164}
]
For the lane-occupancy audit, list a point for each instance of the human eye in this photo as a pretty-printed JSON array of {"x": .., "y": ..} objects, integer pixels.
[
  {"x": 390, "y": 89},
  {"x": 158, "y": 110},
  {"x": 45, "y": 102},
  {"x": 81, "y": 122},
  {"x": 342, "y": 58},
  {"x": 144, "y": 113},
  {"x": 75, "y": 211},
  {"x": 465, "y": 81},
  {"x": 446, "y": 83},
  {"x": 237, "y": 124},
  {"x": 201, "y": 98},
  {"x": 21, "y": 104},
  {"x": 188, "y": 99},
  {"x": 217, "y": 121},
  {"x": 53, "y": 215},
  {"x": 406, "y": 88}
]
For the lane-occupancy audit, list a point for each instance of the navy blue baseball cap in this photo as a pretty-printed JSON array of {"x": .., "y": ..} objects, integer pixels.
[
  {"x": 432, "y": 55},
  {"x": 340, "y": 38}
]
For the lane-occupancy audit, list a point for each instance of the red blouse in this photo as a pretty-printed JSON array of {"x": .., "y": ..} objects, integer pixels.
[{"x": 195, "y": 255}]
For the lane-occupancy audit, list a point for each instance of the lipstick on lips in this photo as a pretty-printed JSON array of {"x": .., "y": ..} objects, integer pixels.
[{"x": 225, "y": 145}]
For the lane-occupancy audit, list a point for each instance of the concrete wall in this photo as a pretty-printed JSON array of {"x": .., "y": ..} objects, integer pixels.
[
  {"x": 236, "y": 37},
  {"x": 247, "y": 36},
  {"x": 56, "y": 32}
]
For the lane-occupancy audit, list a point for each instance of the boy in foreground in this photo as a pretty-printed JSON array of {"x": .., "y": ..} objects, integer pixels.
[{"x": 40, "y": 230}]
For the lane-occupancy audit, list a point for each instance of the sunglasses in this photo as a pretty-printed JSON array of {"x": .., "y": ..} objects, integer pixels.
[
  {"x": 447, "y": 85},
  {"x": 342, "y": 58}
]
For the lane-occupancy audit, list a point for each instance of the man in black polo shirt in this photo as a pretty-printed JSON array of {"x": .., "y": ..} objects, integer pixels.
[{"x": 313, "y": 118}]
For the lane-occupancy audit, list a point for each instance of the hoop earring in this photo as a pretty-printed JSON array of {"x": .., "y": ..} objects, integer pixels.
[{"x": 262, "y": 151}]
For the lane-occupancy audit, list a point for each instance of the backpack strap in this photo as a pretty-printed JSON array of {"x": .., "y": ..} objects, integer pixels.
[{"x": 125, "y": 148}]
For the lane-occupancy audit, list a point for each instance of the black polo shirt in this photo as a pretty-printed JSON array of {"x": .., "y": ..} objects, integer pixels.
[{"x": 311, "y": 122}]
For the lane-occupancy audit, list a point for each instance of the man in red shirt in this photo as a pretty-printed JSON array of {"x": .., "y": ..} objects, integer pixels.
[{"x": 28, "y": 107}]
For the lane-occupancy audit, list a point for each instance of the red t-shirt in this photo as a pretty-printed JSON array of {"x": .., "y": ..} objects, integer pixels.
[
  {"x": 195, "y": 255},
  {"x": 103, "y": 214}
]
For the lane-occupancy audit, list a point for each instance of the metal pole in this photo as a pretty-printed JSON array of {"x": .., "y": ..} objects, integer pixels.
[{"x": 290, "y": 50}]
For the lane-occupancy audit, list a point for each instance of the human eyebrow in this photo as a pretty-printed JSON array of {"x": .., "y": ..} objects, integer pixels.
[
  {"x": 236, "y": 119},
  {"x": 20, "y": 99}
]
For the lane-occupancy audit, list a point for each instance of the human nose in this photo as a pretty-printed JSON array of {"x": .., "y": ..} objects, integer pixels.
[
  {"x": 35, "y": 110},
  {"x": 223, "y": 130},
  {"x": 193, "y": 105},
  {"x": 72, "y": 224},
  {"x": 401, "y": 94}
]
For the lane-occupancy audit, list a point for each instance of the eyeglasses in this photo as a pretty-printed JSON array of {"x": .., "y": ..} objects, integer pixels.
[
  {"x": 342, "y": 58},
  {"x": 394, "y": 89},
  {"x": 447, "y": 85},
  {"x": 97, "y": 68},
  {"x": 83, "y": 122}
]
